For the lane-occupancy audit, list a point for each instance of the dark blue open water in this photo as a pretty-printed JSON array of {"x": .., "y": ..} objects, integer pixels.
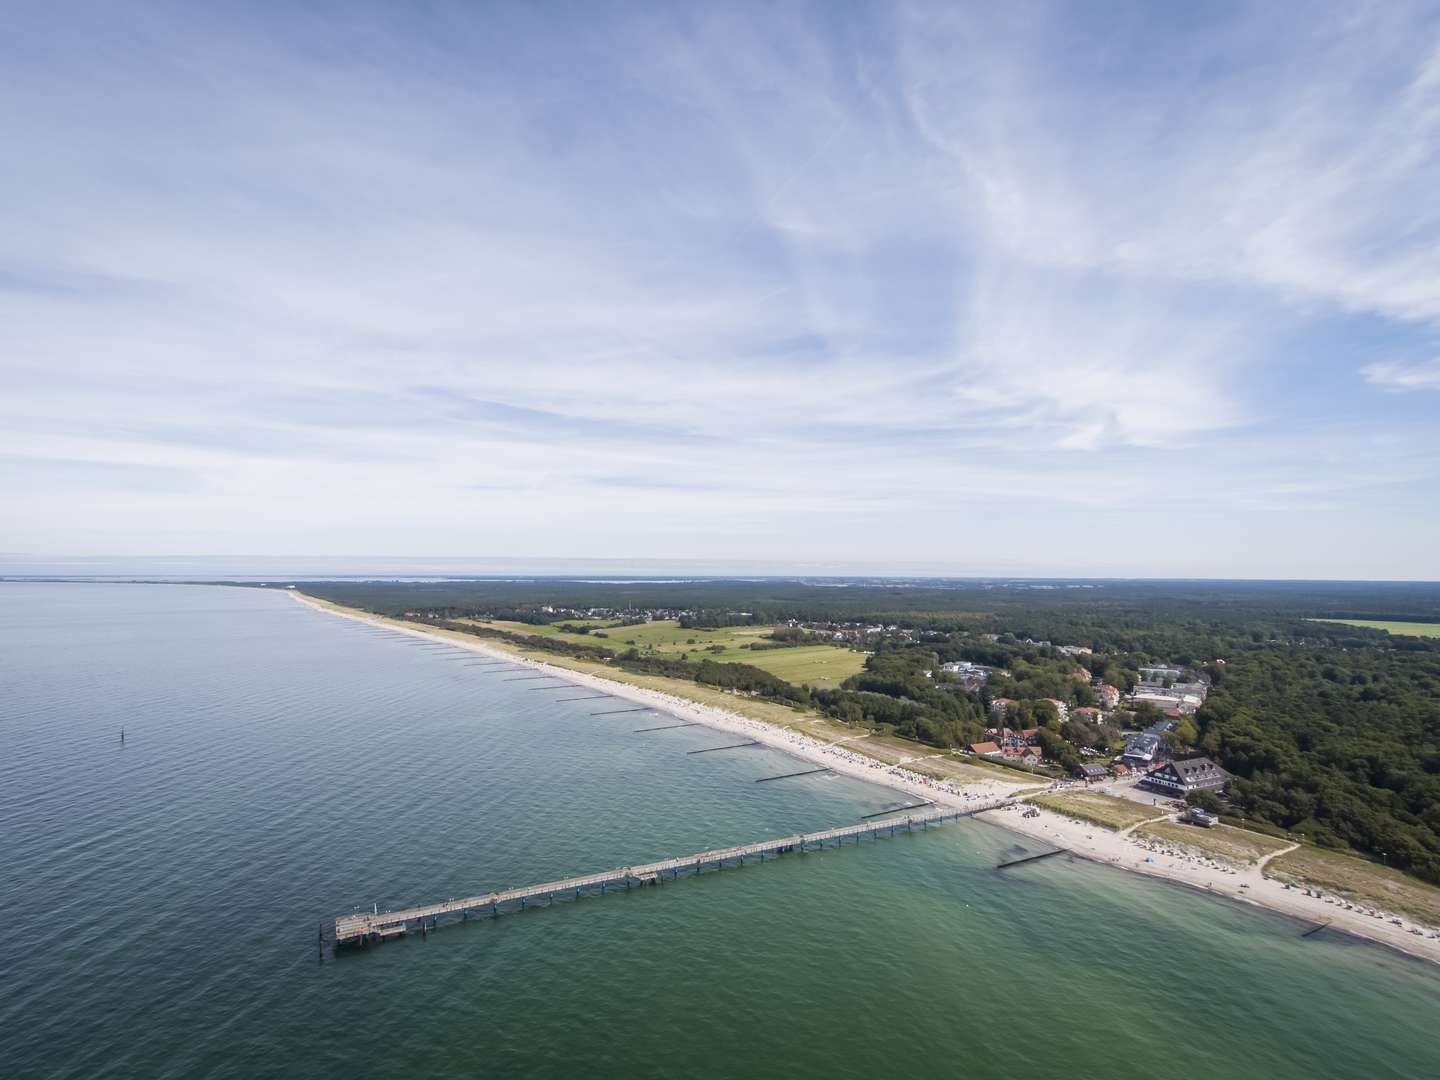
[{"x": 160, "y": 902}]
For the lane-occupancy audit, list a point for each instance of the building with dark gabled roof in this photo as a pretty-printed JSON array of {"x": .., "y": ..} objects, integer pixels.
[
  {"x": 1143, "y": 750},
  {"x": 1185, "y": 777}
]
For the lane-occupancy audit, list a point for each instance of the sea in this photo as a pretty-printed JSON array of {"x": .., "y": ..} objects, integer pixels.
[{"x": 163, "y": 898}]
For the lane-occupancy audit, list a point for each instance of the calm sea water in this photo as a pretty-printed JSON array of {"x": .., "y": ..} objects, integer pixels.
[{"x": 160, "y": 901}]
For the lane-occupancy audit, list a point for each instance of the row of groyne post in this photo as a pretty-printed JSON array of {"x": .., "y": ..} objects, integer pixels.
[{"x": 365, "y": 927}]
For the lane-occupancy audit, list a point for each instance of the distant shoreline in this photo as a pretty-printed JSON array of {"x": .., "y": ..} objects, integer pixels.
[
  {"x": 1090, "y": 841},
  {"x": 801, "y": 746}
]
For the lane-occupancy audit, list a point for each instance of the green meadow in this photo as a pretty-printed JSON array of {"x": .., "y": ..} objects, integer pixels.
[
  {"x": 817, "y": 665},
  {"x": 1413, "y": 629}
]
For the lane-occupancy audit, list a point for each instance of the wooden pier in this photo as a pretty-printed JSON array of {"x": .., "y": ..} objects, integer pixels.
[{"x": 367, "y": 926}]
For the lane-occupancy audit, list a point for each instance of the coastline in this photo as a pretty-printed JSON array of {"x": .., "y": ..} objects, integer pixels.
[
  {"x": 1169, "y": 862},
  {"x": 1246, "y": 884},
  {"x": 805, "y": 747}
]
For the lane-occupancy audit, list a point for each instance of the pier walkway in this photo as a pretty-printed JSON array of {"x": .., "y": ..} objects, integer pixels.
[{"x": 367, "y": 926}]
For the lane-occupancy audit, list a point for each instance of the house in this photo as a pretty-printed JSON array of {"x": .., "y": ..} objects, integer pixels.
[
  {"x": 1086, "y": 714},
  {"x": 1143, "y": 750},
  {"x": 1091, "y": 773},
  {"x": 1062, "y": 709},
  {"x": 984, "y": 749},
  {"x": 1186, "y": 701},
  {"x": 1000, "y": 705},
  {"x": 1027, "y": 755},
  {"x": 1011, "y": 737},
  {"x": 971, "y": 676},
  {"x": 1185, "y": 777},
  {"x": 1109, "y": 696}
]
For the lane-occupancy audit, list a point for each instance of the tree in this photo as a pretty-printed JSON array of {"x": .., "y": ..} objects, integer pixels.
[{"x": 1185, "y": 733}]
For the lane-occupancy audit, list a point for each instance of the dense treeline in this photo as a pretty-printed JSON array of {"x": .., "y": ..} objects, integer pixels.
[
  {"x": 1328, "y": 729},
  {"x": 894, "y": 691},
  {"x": 1059, "y": 611},
  {"x": 1342, "y": 745}
]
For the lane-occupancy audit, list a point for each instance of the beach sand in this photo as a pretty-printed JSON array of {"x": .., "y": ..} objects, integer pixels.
[
  {"x": 1122, "y": 850},
  {"x": 1127, "y": 849}
]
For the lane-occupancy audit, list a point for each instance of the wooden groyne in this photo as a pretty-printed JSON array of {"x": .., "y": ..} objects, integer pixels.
[
  {"x": 378, "y": 926},
  {"x": 789, "y": 775},
  {"x": 1027, "y": 858},
  {"x": 728, "y": 746}
]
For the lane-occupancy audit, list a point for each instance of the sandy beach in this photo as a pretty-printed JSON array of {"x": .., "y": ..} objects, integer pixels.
[
  {"x": 1122, "y": 850},
  {"x": 1127, "y": 850}
]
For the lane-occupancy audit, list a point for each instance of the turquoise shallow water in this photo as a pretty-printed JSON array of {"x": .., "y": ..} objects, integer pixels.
[{"x": 161, "y": 900}]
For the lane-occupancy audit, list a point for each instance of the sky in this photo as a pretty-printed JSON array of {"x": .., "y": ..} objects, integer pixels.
[{"x": 1055, "y": 290}]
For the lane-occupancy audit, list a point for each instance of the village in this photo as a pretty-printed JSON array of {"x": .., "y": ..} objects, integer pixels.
[{"x": 1155, "y": 760}]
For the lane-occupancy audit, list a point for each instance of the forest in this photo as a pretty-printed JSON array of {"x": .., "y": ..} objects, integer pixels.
[{"x": 1329, "y": 730}]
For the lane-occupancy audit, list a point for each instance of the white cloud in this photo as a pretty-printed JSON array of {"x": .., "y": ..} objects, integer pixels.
[
  {"x": 1394, "y": 375},
  {"x": 847, "y": 277}
]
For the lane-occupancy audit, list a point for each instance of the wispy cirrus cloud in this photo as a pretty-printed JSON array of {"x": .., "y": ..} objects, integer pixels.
[{"x": 737, "y": 280}]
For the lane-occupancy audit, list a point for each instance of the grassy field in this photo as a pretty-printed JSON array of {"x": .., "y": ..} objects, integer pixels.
[
  {"x": 1094, "y": 807},
  {"x": 1223, "y": 841},
  {"x": 1359, "y": 881},
  {"x": 1411, "y": 629},
  {"x": 818, "y": 665}
]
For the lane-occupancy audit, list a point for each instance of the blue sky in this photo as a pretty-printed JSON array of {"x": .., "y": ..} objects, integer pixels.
[{"x": 1118, "y": 290}]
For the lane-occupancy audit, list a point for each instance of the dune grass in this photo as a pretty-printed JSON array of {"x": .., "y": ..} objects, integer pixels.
[
  {"x": 1223, "y": 841},
  {"x": 1104, "y": 810},
  {"x": 1359, "y": 881}
]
